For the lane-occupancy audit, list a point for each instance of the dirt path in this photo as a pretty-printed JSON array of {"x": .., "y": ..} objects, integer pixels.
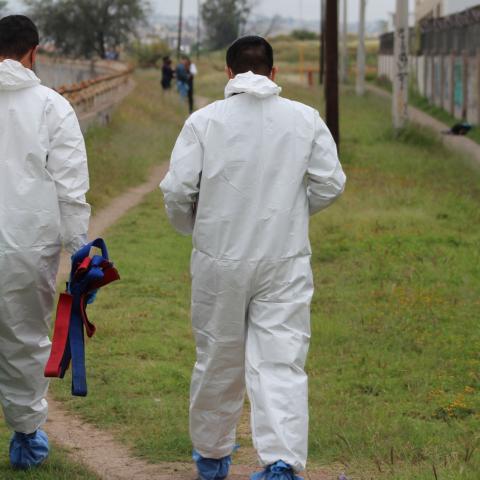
[{"x": 108, "y": 216}]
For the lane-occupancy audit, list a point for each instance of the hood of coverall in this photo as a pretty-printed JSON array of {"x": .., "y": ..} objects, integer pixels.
[
  {"x": 257, "y": 85},
  {"x": 14, "y": 76}
]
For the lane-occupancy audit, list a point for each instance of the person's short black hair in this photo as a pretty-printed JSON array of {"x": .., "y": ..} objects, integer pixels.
[
  {"x": 18, "y": 35},
  {"x": 250, "y": 53}
]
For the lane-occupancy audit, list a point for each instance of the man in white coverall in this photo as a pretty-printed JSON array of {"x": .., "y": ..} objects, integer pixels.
[
  {"x": 245, "y": 175},
  {"x": 43, "y": 182}
]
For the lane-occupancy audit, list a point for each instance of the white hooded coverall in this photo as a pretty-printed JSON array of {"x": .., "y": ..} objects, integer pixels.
[
  {"x": 43, "y": 182},
  {"x": 245, "y": 174}
]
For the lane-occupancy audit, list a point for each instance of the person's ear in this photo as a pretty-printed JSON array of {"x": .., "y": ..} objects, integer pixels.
[
  {"x": 33, "y": 56},
  {"x": 229, "y": 73},
  {"x": 28, "y": 60},
  {"x": 273, "y": 74}
]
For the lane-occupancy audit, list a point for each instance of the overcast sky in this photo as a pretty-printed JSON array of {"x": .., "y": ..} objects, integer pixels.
[{"x": 307, "y": 9}]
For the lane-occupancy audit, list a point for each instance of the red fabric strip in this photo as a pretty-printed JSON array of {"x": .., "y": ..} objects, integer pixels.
[{"x": 60, "y": 335}]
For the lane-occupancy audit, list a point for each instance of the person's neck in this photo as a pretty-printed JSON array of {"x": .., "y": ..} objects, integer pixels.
[{"x": 22, "y": 61}]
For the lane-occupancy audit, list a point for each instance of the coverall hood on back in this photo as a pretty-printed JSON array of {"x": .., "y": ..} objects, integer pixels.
[
  {"x": 43, "y": 182},
  {"x": 245, "y": 174}
]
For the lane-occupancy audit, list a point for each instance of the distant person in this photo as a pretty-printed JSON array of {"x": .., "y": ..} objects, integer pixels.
[
  {"x": 245, "y": 175},
  {"x": 182, "y": 77},
  {"x": 192, "y": 73},
  {"x": 112, "y": 55},
  {"x": 167, "y": 74},
  {"x": 43, "y": 182}
]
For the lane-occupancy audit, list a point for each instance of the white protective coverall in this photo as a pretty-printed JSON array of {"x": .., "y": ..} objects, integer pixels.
[
  {"x": 245, "y": 174},
  {"x": 43, "y": 181}
]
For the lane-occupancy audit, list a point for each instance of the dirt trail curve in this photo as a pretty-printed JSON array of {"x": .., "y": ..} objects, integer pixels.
[{"x": 98, "y": 450}]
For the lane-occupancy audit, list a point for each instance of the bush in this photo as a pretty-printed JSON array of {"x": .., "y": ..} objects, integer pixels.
[
  {"x": 148, "y": 55},
  {"x": 304, "y": 35}
]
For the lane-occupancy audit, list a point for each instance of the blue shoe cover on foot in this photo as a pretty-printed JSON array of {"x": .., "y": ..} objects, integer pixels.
[
  {"x": 277, "y": 471},
  {"x": 28, "y": 450},
  {"x": 211, "y": 468}
]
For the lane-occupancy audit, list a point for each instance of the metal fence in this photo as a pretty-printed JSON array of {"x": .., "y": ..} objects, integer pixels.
[{"x": 456, "y": 33}]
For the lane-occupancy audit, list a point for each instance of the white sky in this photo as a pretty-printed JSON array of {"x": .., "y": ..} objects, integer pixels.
[{"x": 306, "y": 9}]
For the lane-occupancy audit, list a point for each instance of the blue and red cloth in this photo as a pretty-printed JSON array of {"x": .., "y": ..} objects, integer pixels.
[{"x": 88, "y": 275}]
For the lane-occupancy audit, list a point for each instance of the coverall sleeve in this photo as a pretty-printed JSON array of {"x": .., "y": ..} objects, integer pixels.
[
  {"x": 181, "y": 186},
  {"x": 325, "y": 177},
  {"x": 67, "y": 163}
]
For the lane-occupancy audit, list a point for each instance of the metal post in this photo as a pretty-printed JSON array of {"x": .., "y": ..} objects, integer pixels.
[
  {"x": 331, "y": 81},
  {"x": 344, "y": 61},
  {"x": 400, "y": 65},
  {"x": 360, "y": 85},
  {"x": 180, "y": 25}
]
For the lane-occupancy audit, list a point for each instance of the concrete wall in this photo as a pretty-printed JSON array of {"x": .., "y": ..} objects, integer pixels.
[
  {"x": 93, "y": 89},
  {"x": 451, "y": 82}
]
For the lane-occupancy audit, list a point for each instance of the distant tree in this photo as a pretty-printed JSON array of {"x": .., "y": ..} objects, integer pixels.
[
  {"x": 304, "y": 35},
  {"x": 148, "y": 55},
  {"x": 224, "y": 20},
  {"x": 3, "y": 6},
  {"x": 87, "y": 28}
]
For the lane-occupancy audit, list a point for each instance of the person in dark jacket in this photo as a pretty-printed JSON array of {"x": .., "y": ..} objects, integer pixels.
[{"x": 167, "y": 74}]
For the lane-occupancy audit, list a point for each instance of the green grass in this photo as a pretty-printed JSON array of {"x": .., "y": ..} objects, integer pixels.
[
  {"x": 57, "y": 467},
  {"x": 422, "y": 103},
  {"x": 394, "y": 364},
  {"x": 140, "y": 362},
  {"x": 140, "y": 135}
]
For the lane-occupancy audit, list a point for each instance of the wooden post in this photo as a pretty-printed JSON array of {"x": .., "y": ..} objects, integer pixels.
[
  {"x": 331, "y": 81},
  {"x": 344, "y": 62},
  {"x": 400, "y": 80},
  {"x": 301, "y": 67},
  {"x": 360, "y": 86}
]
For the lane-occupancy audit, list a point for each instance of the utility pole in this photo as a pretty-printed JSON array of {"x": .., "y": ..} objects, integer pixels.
[
  {"x": 199, "y": 14},
  {"x": 331, "y": 81},
  {"x": 322, "y": 42},
  {"x": 360, "y": 86},
  {"x": 344, "y": 62},
  {"x": 400, "y": 63},
  {"x": 180, "y": 25}
]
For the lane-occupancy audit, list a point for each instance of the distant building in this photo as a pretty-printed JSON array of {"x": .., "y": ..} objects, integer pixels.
[{"x": 441, "y": 8}]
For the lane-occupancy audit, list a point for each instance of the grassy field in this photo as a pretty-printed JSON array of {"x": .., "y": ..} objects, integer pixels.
[
  {"x": 140, "y": 135},
  {"x": 56, "y": 467},
  {"x": 394, "y": 364}
]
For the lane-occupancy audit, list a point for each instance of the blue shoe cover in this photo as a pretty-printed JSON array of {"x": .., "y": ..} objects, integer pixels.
[
  {"x": 28, "y": 451},
  {"x": 211, "y": 468},
  {"x": 277, "y": 471}
]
